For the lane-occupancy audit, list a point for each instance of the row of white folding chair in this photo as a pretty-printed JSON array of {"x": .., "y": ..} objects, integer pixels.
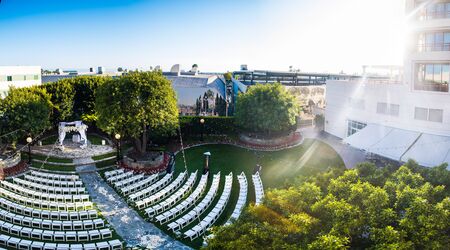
[
  {"x": 53, "y": 176},
  {"x": 43, "y": 196},
  {"x": 199, "y": 209},
  {"x": 17, "y": 243},
  {"x": 136, "y": 187},
  {"x": 49, "y": 189},
  {"x": 54, "y": 183},
  {"x": 120, "y": 177},
  {"x": 45, "y": 214},
  {"x": 127, "y": 182},
  {"x": 144, "y": 193},
  {"x": 46, "y": 205},
  {"x": 174, "y": 198},
  {"x": 215, "y": 213},
  {"x": 50, "y": 235},
  {"x": 163, "y": 193},
  {"x": 259, "y": 190},
  {"x": 50, "y": 224},
  {"x": 185, "y": 204},
  {"x": 115, "y": 172},
  {"x": 242, "y": 199}
]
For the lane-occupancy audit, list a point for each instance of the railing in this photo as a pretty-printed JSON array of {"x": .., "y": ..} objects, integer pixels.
[
  {"x": 376, "y": 81},
  {"x": 433, "y": 47},
  {"x": 437, "y": 87}
]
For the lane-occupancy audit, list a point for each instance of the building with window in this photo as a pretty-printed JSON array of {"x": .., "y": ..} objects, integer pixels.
[
  {"x": 18, "y": 76},
  {"x": 407, "y": 116}
]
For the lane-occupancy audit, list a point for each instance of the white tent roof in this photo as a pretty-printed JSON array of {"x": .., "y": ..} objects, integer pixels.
[
  {"x": 430, "y": 150},
  {"x": 368, "y": 136},
  {"x": 395, "y": 143}
]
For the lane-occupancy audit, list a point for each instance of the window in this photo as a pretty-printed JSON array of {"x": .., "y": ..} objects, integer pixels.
[
  {"x": 388, "y": 109},
  {"x": 435, "y": 11},
  {"x": 354, "y": 126},
  {"x": 434, "y": 41},
  {"x": 432, "y": 77},
  {"x": 36, "y": 77},
  {"x": 9, "y": 78},
  {"x": 432, "y": 115}
]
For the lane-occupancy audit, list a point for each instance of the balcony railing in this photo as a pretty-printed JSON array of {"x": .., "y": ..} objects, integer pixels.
[
  {"x": 428, "y": 86},
  {"x": 433, "y": 47}
]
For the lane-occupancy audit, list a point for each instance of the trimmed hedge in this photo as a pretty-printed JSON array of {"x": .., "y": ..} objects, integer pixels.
[{"x": 217, "y": 125}]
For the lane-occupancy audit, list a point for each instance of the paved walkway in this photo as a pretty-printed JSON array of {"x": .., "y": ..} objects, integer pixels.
[
  {"x": 351, "y": 156},
  {"x": 134, "y": 230}
]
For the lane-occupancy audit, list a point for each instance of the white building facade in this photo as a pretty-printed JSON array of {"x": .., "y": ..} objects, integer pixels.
[
  {"x": 18, "y": 76},
  {"x": 407, "y": 118}
]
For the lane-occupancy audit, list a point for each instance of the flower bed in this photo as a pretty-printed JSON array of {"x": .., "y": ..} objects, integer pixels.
[{"x": 147, "y": 169}]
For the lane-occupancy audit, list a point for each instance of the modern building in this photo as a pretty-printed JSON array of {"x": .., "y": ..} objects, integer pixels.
[
  {"x": 18, "y": 76},
  {"x": 403, "y": 117}
]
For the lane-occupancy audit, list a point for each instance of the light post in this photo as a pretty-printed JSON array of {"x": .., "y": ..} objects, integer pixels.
[
  {"x": 117, "y": 136},
  {"x": 29, "y": 141},
  {"x": 202, "y": 122}
]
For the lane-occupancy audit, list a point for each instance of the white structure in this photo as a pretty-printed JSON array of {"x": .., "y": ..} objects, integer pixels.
[
  {"x": 402, "y": 118},
  {"x": 18, "y": 76},
  {"x": 76, "y": 126}
]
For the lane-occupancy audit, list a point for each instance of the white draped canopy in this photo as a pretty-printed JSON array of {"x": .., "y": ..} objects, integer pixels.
[{"x": 76, "y": 126}]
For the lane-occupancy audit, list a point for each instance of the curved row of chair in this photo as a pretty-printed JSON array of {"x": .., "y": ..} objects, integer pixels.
[
  {"x": 136, "y": 187},
  {"x": 49, "y": 189},
  {"x": 199, "y": 209},
  {"x": 115, "y": 172},
  {"x": 53, "y": 176},
  {"x": 53, "y": 183},
  {"x": 43, "y": 196},
  {"x": 185, "y": 204},
  {"x": 46, "y": 205},
  {"x": 242, "y": 199},
  {"x": 46, "y": 214},
  {"x": 161, "y": 194},
  {"x": 144, "y": 193},
  {"x": 174, "y": 198},
  {"x": 129, "y": 181},
  {"x": 215, "y": 213},
  {"x": 50, "y": 235},
  {"x": 259, "y": 190},
  {"x": 50, "y": 224},
  {"x": 17, "y": 243}
]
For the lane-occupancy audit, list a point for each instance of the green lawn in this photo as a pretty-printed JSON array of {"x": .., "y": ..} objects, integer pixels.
[
  {"x": 101, "y": 157},
  {"x": 49, "y": 159},
  {"x": 53, "y": 167},
  {"x": 278, "y": 169}
]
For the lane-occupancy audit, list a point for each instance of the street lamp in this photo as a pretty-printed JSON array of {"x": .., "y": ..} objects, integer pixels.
[
  {"x": 117, "y": 136},
  {"x": 29, "y": 141},
  {"x": 202, "y": 122}
]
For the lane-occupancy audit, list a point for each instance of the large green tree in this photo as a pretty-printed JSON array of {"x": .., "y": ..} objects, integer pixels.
[
  {"x": 62, "y": 95},
  {"x": 25, "y": 111},
  {"x": 136, "y": 105},
  {"x": 266, "y": 109},
  {"x": 364, "y": 208},
  {"x": 85, "y": 94}
]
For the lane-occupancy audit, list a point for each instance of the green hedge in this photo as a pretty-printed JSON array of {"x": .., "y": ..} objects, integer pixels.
[{"x": 216, "y": 125}]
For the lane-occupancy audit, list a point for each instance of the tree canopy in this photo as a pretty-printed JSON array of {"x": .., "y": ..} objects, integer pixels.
[
  {"x": 364, "y": 208},
  {"x": 25, "y": 111},
  {"x": 266, "y": 109},
  {"x": 136, "y": 105}
]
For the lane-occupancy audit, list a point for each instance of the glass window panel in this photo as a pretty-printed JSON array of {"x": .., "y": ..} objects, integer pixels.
[
  {"x": 438, "y": 41},
  {"x": 435, "y": 115},
  {"x": 429, "y": 41},
  {"x": 394, "y": 110},
  {"x": 429, "y": 69},
  {"x": 437, "y": 78},
  {"x": 447, "y": 10},
  {"x": 382, "y": 108},
  {"x": 420, "y": 73},
  {"x": 445, "y": 73},
  {"x": 421, "y": 114},
  {"x": 447, "y": 41}
]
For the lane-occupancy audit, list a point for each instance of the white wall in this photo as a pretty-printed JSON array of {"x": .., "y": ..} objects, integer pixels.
[
  {"x": 19, "y": 72},
  {"x": 339, "y": 109}
]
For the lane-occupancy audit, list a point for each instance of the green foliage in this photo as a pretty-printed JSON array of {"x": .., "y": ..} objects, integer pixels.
[
  {"x": 215, "y": 125},
  {"x": 26, "y": 110},
  {"x": 365, "y": 208},
  {"x": 266, "y": 109},
  {"x": 85, "y": 91},
  {"x": 136, "y": 105},
  {"x": 62, "y": 97}
]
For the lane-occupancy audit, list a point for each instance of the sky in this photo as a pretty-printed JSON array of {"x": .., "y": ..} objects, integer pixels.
[{"x": 218, "y": 35}]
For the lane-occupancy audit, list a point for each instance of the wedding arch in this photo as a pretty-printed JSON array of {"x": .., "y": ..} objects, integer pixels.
[{"x": 76, "y": 126}]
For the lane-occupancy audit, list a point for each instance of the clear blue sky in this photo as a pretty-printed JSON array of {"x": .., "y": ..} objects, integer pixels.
[{"x": 312, "y": 35}]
